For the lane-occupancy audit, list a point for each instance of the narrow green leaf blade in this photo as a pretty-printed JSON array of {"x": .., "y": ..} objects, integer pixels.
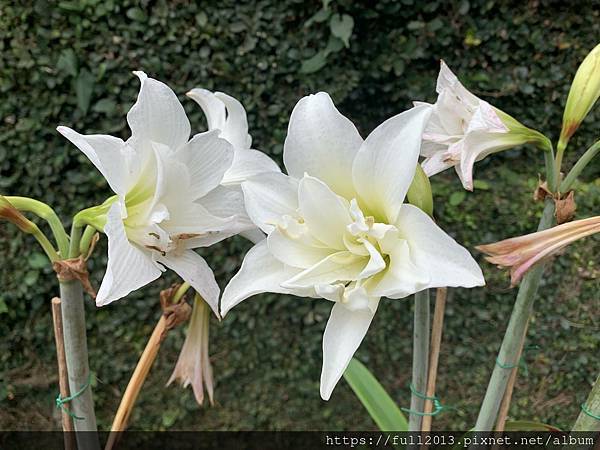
[{"x": 374, "y": 398}]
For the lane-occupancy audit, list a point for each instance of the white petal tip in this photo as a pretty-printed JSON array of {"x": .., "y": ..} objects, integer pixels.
[{"x": 140, "y": 74}]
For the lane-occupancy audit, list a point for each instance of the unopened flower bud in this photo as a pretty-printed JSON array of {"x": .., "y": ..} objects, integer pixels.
[{"x": 584, "y": 92}]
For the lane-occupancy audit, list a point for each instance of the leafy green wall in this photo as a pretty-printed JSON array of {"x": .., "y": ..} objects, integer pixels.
[{"x": 69, "y": 62}]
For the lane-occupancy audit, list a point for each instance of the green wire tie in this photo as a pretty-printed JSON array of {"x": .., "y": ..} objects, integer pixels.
[
  {"x": 60, "y": 402},
  {"x": 437, "y": 406},
  {"x": 585, "y": 409},
  {"x": 521, "y": 362}
]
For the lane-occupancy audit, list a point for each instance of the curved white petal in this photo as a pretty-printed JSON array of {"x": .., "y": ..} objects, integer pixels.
[
  {"x": 260, "y": 272},
  {"x": 247, "y": 163},
  {"x": 324, "y": 212},
  {"x": 213, "y": 108},
  {"x": 157, "y": 116},
  {"x": 321, "y": 142},
  {"x": 437, "y": 163},
  {"x": 344, "y": 332},
  {"x": 376, "y": 263},
  {"x": 193, "y": 268},
  {"x": 269, "y": 197},
  {"x": 295, "y": 252},
  {"x": 207, "y": 158},
  {"x": 129, "y": 267},
  {"x": 448, "y": 82},
  {"x": 111, "y": 156},
  {"x": 236, "y": 123},
  {"x": 341, "y": 266},
  {"x": 402, "y": 277},
  {"x": 385, "y": 164},
  {"x": 224, "y": 201},
  {"x": 479, "y": 144},
  {"x": 435, "y": 253}
]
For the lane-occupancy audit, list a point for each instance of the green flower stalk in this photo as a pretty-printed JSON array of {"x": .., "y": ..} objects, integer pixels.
[
  {"x": 11, "y": 214},
  {"x": 584, "y": 92}
]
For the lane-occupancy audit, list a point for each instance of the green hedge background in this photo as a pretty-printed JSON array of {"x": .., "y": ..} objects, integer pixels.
[{"x": 70, "y": 62}]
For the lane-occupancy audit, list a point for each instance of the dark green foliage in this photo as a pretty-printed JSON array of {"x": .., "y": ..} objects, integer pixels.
[{"x": 69, "y": 63}]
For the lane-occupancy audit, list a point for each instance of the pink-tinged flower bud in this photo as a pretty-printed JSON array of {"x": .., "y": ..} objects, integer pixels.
[
  {"x": 13, "y": 215},
  {"x": 193, "y": 366},
  {"x": 584, "y": 92},
  {"x": 523, "y": 252}
]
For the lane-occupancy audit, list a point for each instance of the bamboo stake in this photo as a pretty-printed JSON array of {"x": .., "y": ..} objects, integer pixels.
[
  {"x": 436, "y": 342},
  {"x": 63, "y": 376},
  {"x": 505, "y": 406},
  {"x": 136, "y": 382}
]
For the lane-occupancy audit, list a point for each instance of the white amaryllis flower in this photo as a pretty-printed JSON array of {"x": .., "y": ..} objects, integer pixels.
[
  {"x": 169, "y": 197},
  {"x": 193, "y": 365},
  {"x": 338, "y": 227},
  {"x": 464, "y": 129}
]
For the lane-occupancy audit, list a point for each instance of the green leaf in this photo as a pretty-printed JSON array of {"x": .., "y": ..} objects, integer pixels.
[
  {"x": 37, "y": 260},
  {"x": 321, "y": 16},
  {"x": 333, "y": 45},
  {"x": 67, "y": 62},
  {"x": 3, "y": 306},
  {"x": 341, "y": 27},
  {"x": 457, "y": 198},
  {"x": 480, "y": 184},
  {"x": 106, "y": 106},
  {"x": 315, "y": 63},
  {"x": 84, "y": 87},
  {"x": 372, "y": 395},
  {"x": 136, "y": 14},
  {"x": 528, "y": 425}
]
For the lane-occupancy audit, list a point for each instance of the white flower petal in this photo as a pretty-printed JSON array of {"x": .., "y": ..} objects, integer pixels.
[
  {"x": 323, "y": 143},
  {"x": 325, "y": 213},
  {"x": 448, "y": 82},
  {"x": 344, "y": 332},
  {"x": 437, "y": 163},
  {"x": 435, "y": 253},
  {"x": 236, "y": 123},
  {"x": 295, "y": 252},
  {"x": 247, "y": 163},
  {"x": 111, "y": 156},
  {"x": 402, "y": 277},
  {"x": 385, "y": 165},
  {"x": 376, "y": 263},
  {"x": 157, "y": 116},
  {"x": 213, "y": 108},
  {"x": 341, "y": 266},
  {"x": 269, "y": 197},
  {"x": 129, "y": 267},
  {"x": 193, "y": 268},
  {"x": 260, "y": 272},
  {"x": 207, "y": 158},
  {"x": 476, "y": 146}
]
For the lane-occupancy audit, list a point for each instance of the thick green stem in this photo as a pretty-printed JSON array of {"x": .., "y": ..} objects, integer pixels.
[
  {"x": 515, "y": 332},
  {"x": 46, "y": 213},
  {"x": 585, "y": 159},
  {"x": 86, "y": 240},
  {"x": 550, "y": 170},
  {"x": 586, "y": 420},
  {"x": 82, "y": 406},
  {"x": 75, "y": 240},
  {"x": 420, "y": 358}
]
